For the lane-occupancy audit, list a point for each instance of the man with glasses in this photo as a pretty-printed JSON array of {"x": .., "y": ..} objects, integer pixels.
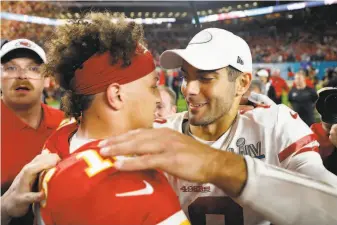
[{"x": 25, "y": 122}]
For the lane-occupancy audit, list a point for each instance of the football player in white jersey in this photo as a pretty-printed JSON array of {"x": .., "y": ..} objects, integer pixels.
[{"x": 217, "y": 67}]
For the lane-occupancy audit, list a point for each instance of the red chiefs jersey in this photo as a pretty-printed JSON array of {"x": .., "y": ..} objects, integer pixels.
[{"x": 85, "y": 188}]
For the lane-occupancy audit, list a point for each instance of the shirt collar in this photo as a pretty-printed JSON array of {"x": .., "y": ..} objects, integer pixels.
[
  {"x": 48, "y": 119},
  {"x": 9, "y": 117},
  {"x": 12, "y": 118}
]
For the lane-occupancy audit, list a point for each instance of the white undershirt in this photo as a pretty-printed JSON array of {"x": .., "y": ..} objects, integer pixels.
[
  {"x": 210, "y": 143},
  {"x": 77, "y": 142},
  {"x": 214, "y": 144}
]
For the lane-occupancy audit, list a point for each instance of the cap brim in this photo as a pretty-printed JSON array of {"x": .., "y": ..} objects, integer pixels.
[
  {"x": 172, "y": 59},
  {"x": 3, "y": 53}
]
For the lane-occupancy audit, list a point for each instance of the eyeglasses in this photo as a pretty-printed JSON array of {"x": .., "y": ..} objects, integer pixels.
[{"x": 32, "y": 72}]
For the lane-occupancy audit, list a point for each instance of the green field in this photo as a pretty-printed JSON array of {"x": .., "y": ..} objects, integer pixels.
[{"x": 181, "y": 104}]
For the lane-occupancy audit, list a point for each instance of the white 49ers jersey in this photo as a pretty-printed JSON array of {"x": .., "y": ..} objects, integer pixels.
[{"x": 275, "y": 135}]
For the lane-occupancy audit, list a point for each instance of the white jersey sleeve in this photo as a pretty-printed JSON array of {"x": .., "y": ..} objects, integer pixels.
[
  {"x": 293, "y": 135},
  {"x": 298, "y": 147},
  {"x": 291, "y": 198}
]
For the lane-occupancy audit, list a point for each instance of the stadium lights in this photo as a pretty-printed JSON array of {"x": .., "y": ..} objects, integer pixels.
[
  {"x": 184, "y": 14},
  {"x": 132, "y": 14},
  {"x": 230, "y": 8},
  {"x": 147, "y": 14},
  {"x": 57, "y": 22},
  {"x": 154, "y": 14},
  {"x": 246, "y": 5},
  {"x": 161, "y": 14},
  {"x": 198, "y": 13},
  {"x": 255, "y": 4},
  {"x": 170, "y": 14},
  {"x": 210, "y": 11},
  {"x": 239, "y": 6},
  {"x": 139, "y": 14},
  {"x": 69, "y": 15},
  {"x": 203, "y": 13},
  {"x": 263, "y": 10},
  {"x": 220, "y": 10},
  {"x": 77, "y": 15}
]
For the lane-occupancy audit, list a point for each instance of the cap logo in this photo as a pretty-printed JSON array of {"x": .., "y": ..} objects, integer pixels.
[
  {"x": 24, "y": 43},
  {"x": 239, "y": 60},
  {"x": 201, "y": 38}
]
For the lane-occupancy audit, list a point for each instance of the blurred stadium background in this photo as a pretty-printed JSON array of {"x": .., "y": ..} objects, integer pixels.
[{"x": 282, "y": 35}]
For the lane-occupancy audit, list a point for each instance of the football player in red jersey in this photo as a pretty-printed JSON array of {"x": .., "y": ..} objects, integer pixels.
[{"x": 106, "y": 70}]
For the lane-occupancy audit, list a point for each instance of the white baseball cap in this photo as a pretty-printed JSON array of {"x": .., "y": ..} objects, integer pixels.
[
  {"x": 211, "y": 49},
  {"x": 262, "y": 73},
  {"x": 23, "y": 44}
]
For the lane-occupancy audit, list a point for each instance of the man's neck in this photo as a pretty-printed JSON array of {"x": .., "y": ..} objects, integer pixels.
[
  {"x": 214, "y": 131},
  {"x": 96, "y": 127},
  {"x": 31, "y": 115}
]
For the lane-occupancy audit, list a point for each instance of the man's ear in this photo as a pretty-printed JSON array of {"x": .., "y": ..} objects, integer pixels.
[
  {"x": 243, "y": 83},
  {"x": 114, "y": 96},
  {"x": 174, "y": 109},
  {"x": 46, "y": 82}
]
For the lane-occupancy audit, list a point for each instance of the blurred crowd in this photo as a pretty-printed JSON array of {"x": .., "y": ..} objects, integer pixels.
[
  {"x": 11, "y": 29},
  {"x": 268, "y": 45},
  {"x": 285, "y": 47}
]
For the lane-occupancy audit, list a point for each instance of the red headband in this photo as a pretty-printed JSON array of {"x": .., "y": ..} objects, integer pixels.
[{"x": 97, "y": 73}]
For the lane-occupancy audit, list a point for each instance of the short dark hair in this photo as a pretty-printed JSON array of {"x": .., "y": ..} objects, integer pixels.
[
  {"x": 233, "y": 73},
  {"x": 21, "y": 53}
]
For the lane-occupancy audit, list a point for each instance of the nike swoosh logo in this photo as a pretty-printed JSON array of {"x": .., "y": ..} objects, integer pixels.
[
  {"x": 294, "y": 115},
  {"x": 148, "y": 190}
]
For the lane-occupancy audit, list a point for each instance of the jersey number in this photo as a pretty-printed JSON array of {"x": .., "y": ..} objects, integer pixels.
[
  {"x": 215, "y": 205},
  {"x": 95, "y": 162}
]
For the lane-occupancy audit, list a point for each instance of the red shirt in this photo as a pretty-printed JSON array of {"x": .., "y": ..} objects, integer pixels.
[
  {"x": 85, "y": 188},
  {"x": 309, "y": 83},
  {"x": 20, "y": 142},
  {"x": 162, "y": 78},
  {"x": 279, "y": 84},
  {"x": 291, "y": 74}
]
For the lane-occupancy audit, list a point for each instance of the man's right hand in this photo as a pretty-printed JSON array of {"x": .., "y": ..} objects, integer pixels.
[
  {"x": 17, "y": 199},
  {"x": 333, "y": 135}
]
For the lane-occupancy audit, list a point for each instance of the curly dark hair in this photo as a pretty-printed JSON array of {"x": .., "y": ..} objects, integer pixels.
[{"x": 73, "y": 43}]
